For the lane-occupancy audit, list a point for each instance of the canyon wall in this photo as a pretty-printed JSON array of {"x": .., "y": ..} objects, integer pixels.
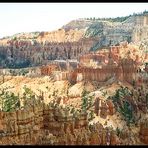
[
  {"x": 140, "y": 31},
  {"x": 44, "y": 124},
  {"x": 109, "y": 64},
  {"x": 27, "y": 53},
  {"x": 69, "y": 42}
]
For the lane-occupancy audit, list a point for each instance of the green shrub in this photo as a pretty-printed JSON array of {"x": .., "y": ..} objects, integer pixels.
[{"x": 10, "y": 101}]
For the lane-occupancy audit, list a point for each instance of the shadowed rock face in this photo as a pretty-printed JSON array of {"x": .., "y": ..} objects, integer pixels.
[{"x": 26, "y": 53}]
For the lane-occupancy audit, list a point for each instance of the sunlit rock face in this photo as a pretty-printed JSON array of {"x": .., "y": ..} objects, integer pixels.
[
  {"x": 121, "y": 62},
  {"x": 141, "y": 28},
  {"x": 105, "y": 64},
  {"x": 80, "y": 56},
  {"x": 71, "y": 41},
  {"x": 143, "y": 134},
  {"x": 44, "y": 124}
]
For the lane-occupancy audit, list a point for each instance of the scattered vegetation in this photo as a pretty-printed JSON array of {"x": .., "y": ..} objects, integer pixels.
[
  {"x": 9, "y": 101},
  {"x": 118, "y": 19},
  {"x": 15, "y": 38},
  {"x": 118, "y": 131},
  {"x": 28, "y": 93},
  {"x": 122, "y": 105},
  {"x": 91, "y": 115},
  {"x": 127, "y": 112},
  {"x": 104, "y": 93},
  {"x": 2, "y": 56},
  {"x": 120, "y": 94},
  {"x": 17, "y": 64},
  {"x": 84, "y": 100},
  {"x": 94, "y": 30},
  {"x": 18, "y": 72},
  {"x": 23, "y": 72},
  {"x": 87, "y": 100}
]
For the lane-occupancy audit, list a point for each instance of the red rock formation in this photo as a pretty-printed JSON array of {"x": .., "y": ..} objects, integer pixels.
[
  {"x": 114, "y": 139},
  {"x": 95, "y": 139},
  {"x": 110, "y": 107},
  {"x": 144, "y": 132},
  {"x": 103, "y": 110},
  {"x": 73, "y": 76},
  {"x": 97, "y": 106},
  {"x": 33, "y": 126},
  {"x": 119, "y": 73},
  {"x": 123, "y": 69},
  {"x": 129, "y": 70},
  {"x": 39, "y": 53},
  {"x": 47, "y": 70}
]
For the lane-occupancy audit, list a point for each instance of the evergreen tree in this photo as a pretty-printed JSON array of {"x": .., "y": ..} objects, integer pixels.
[
  {"x": 84, "y": 100},
  {"x": 10, "y": 102}
]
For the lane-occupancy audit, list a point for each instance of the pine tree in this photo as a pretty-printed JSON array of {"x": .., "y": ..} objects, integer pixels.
[
  {"x": 10, "y": 102},
  {"x": 84, "y": 100}
]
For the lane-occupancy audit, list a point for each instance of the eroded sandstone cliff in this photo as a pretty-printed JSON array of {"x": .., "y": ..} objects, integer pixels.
[{"x": 72, "y": 40}]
